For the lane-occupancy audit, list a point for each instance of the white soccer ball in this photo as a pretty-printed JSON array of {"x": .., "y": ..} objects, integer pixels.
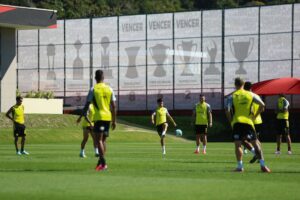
[{"x": 178, "y": 132}]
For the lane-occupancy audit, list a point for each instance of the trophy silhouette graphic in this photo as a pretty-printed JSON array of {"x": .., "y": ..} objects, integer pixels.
[
  {"x": 241, "y": 50},
  {"x": 51, "y": 54},
  {"x": 131, "y": 69},
  {"x": 78, "y": 63},
  {"x": 186, "y": 48},
  {"x": 159, "y": 53},
  {"x": 212, "y": 52},
  {"x": 105, "y": 57}
]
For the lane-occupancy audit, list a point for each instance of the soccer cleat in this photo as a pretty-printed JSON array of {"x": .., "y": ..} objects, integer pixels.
[
  {"x": 265, "y": 169},
  {"x": 238, "y": 169},
  {"x": 289, "y": 152},
  {"x": 18, "y": 153},
  {"x": 204, "y": 152},
  {"x": 253, "y": 159},
  {"x": 277, "y": 152},
  {"x": 24, "y": 153},
  {"x": 196, "y": 151},
  {"x": 82, "y": 155},
  {"x": 101, "y": 167}
]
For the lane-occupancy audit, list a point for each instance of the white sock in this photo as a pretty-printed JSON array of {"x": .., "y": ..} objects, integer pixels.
[
  {"x": 253, "y": 151},
  {"x": 198, "y": 148},
  {"x": 163, "y": 133},
  {"x": 262, "y": 163},
  {"x": 240, "y": 164},
  {"x": 96, "y": 151},
  {"x": 82, "y": 151},
  {"x": 163, "y": 148},
  {"x": 204, "y": 147}
]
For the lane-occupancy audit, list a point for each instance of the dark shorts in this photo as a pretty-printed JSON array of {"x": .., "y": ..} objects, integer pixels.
[
  {"x": 243, "y": 131},
  {"x": 282, "y": 126},
  {"x": 19, "y": 130},
  {"x": 258, "y": 128},
  {"x": 102, "y": 127},
  {"x": 200, "y": 129},
  {"x": 160, "y": 128}
]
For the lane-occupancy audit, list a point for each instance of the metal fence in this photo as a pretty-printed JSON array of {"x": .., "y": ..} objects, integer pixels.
[{"x": 174, "y": 55}]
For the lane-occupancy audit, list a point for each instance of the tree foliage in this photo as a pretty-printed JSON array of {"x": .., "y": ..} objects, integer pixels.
[{"x": 98, "y": 8}]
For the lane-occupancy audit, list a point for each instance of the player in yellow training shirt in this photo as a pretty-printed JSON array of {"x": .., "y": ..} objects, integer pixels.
[
  {"x": 238, "y": 112},
  {"x": 103, "y": 99},
  {"x": 283, "y": 123},
  {"x": 159, "y": 118},
  {"x": 16, "y": 114},
  {"x": 87, "y": 128},
  {"x": 202, "y": 118}
]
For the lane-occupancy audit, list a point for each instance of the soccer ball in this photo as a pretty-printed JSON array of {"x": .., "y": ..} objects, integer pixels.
[{"x": 178, "y": 132}]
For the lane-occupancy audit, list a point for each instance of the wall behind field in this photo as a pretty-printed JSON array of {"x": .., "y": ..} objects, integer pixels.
[{"x": 174, "y": 55}]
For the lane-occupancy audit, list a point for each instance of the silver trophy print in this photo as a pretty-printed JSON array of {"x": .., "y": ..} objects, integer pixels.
[
  {"x": 51, "y": 55},
  {"x": 159, "y": 53},
  {"x": 78, "y": 63},
  {"x": 212, "y": 52},
  {"x": 241, "y": 50},
  {"x": 187, "y": 50},
  {"x": 131, "y": 69},
  {"x": 105, "y": 58}
]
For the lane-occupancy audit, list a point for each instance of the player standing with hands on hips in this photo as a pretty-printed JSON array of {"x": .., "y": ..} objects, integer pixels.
[
  {"x": 159, "y": 118},
  {"x": 16, "y": 114},
  {"x": 202, "y": 118},
  {"x": 103, "y": 99}
]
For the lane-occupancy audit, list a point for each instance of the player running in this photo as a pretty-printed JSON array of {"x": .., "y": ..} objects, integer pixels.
[
  {"x": 239, "y": 103},
  {"x": 103, "y": 99},
  {"x": 87, "y": 128}
]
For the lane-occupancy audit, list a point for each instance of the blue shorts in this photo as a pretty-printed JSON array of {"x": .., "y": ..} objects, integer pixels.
[{"x": 102, "y": 127}]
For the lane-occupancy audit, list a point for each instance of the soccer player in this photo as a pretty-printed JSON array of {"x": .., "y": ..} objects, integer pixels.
[
  {"x": 87, "y": 128},
  {"x": 257, "y": 121},
  {"x": 159, "y": 118},
  {"x": 16, "y": 114},
  {"x": 239, "y": 103},
  {"x": 103, "y": 99},
  {"x": 202, "y": 118},
  {"x": 283, "y": 123}
]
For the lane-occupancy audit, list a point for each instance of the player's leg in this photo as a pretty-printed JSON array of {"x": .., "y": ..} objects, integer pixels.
[
  {"x": 165, "y": 128},
  {"x": 204, "y": 142},
  {"x": 239, "y": 155},
  {"x": 197, "y": 143},
  {"x": 280, "y": 130},
  {"x": 162, "y": 143},
  {"x": 259, "y": 155},
  {"x": 95, "y": 144},
  {"x": 288, "y": 140},
  {"x": 85, "y": 137},
  {"x": 248, "y": 146},
  {"x": 278, "y": 141},
  {"x": 16, "y": 138}
]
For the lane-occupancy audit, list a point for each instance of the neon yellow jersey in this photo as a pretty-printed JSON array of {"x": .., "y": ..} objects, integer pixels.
[
  {"x": 91, "y": 113},
  {"x": 161, "y": 115},
  {"x": 258, "y": 119},
  {"x": 280, "y": 106},
  {"x": 242, "y": 101},
  {"x": 18, "y": 114},
  {"x": 202, "y": 110},
  {"x": 102, "y": 98}
]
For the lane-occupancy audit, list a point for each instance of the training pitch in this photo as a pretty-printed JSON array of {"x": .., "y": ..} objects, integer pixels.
[{"x": 136, "y": 168}]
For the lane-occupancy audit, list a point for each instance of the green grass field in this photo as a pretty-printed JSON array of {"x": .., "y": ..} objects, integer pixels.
[{"x": 136, "y": 168}]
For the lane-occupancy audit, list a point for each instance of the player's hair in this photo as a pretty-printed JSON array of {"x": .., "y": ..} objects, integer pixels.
[
  {"x": 18, "y": 98},
  {"x": 238, "y": 82},
  {"x": 201, "y": 95},
  {"x": 159, "y": 100},
  {"x": 99, "y": 75},
  {"x": 247, "y": 85}
]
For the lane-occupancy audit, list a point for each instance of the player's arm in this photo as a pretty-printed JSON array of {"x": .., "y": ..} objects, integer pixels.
[
  {"x": 285, "y": 105},
  {"x": 171, "y": 119},
  {"x": 153, "y": 117},
  {"x": 78, "y": 119},
  {"x": 193, "y": 117},
  {"x": 209, "y": 113},
  {"x": 8, "y": 114},
  {"x": 228, "y": 108},
  {"x": 261, "y": 104},
  {"x": 89, "y": 99},
  {"x": 113, "y": 110}
]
